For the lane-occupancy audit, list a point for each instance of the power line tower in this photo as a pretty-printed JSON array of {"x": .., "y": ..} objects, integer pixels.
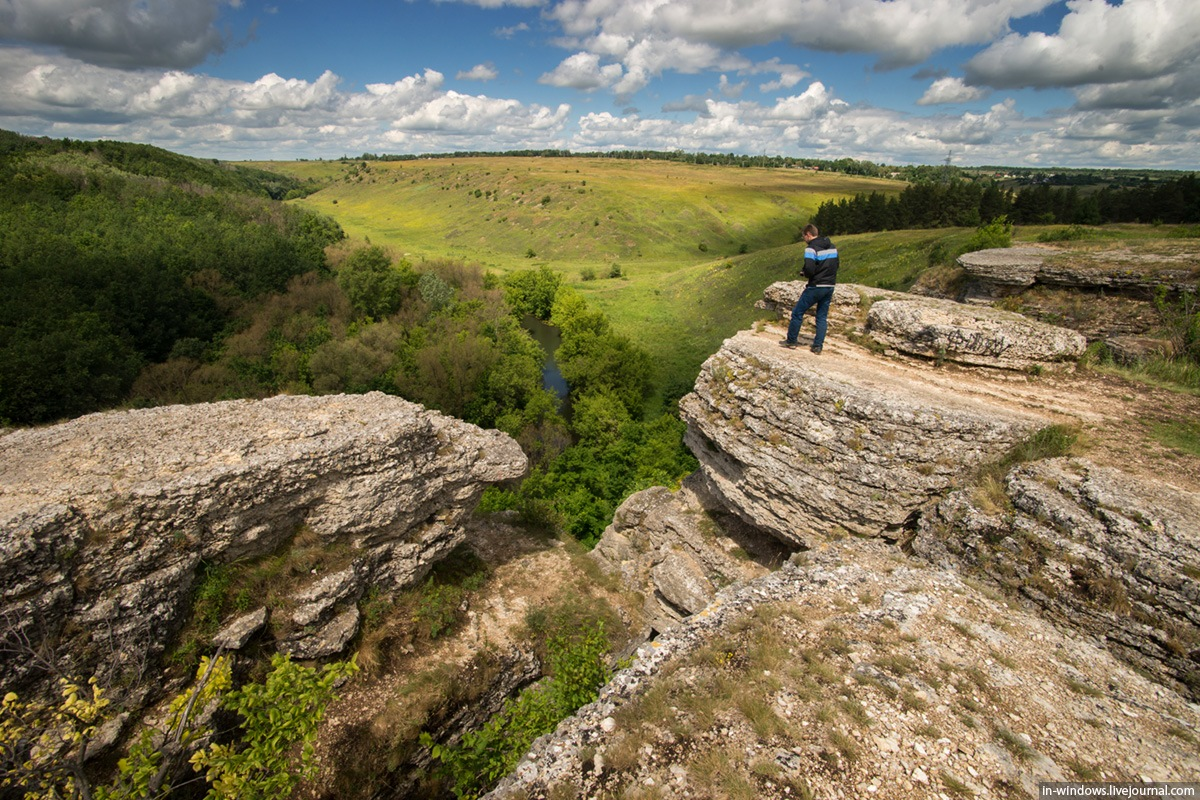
[{"x": 947, "y": 170}]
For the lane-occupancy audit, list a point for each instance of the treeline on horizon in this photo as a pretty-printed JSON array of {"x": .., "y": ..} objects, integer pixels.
[
  {"x": 184, "y": 282},
  {"x": 969, "y": 204},
  {"x": 911, "y": 173}
]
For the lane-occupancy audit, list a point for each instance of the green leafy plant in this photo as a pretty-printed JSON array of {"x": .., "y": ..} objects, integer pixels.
[
  {"x": 43, "y": 746},
  {"x": 577, "y": 671},
  {"x": 997, "y": 233}
]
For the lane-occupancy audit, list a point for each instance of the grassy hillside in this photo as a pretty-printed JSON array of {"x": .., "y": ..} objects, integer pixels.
[
  {"x": 573, "y": 213},
  {"x": 691, "y": 246}
]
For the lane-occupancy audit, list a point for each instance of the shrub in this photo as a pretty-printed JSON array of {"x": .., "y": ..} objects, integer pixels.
[
  {"x": 997, "y": 233},
  {"x": 1070, "y": 233}
]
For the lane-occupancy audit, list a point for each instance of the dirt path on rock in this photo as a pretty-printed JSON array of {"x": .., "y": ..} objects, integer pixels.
[{"x": 1114, "y": 416}]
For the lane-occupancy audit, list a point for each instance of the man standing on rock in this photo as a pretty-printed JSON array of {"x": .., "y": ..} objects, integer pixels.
[{"x": 820, "y": 267}]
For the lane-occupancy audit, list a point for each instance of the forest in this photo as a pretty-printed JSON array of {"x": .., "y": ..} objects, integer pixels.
[
  {"x": 959, "y": 203},
  {"x": 130, "y": 276}
]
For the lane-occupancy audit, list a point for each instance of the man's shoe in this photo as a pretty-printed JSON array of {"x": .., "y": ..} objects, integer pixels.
[
  {"x": 786, "y": 343},
  {"x": 816, "y": 350}
]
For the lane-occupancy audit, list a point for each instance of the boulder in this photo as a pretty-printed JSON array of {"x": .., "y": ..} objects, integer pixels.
[
  {"x": 810, "y": 447},
  {"x": 1131, "y": 350},
  {"x": 975, "y": 335},
  {"x": 106, "y": 521},
  {"x": 237, "y": 634},
  {"x": 849, "y": 300}
]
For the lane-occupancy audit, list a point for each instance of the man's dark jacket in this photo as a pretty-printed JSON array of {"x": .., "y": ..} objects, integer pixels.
[{"x": 821, "y": 262}]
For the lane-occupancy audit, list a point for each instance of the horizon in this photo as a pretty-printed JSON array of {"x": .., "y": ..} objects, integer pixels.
[{"x": 1033, "y": 84}]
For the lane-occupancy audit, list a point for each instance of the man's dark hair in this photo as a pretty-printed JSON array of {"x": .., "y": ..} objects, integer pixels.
[{"x": 810, "y": 228}]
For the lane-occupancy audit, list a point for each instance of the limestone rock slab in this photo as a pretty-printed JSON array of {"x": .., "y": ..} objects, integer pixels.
[
  {"x": 811, "y": 447},
  {"x": 976, "y": 335},
  {"x": 105, "y": 520}
]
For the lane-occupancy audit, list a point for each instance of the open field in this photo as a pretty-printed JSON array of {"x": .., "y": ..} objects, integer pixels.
[{"x": 572, "y": 213}]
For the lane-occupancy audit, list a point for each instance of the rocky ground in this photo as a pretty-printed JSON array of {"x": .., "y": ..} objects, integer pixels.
[
  {"x": 857, "y": 671},
  {"x": 860, "y": 671}
]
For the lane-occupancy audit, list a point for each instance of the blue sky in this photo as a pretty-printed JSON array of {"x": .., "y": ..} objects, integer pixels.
[{"x": 1014, "y": 82}]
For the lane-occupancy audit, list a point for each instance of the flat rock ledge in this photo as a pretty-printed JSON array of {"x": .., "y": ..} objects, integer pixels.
[
  {"x": 812, "y": 448},
  {"x": 108, "y": 521},
  {"x": 1000, "y": 272}
]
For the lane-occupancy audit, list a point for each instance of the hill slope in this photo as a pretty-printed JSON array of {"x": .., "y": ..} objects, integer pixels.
[{"x": 571, "y": 212}]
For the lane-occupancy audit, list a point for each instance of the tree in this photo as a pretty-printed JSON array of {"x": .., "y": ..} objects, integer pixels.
[
  {"x": 531, "y": 291},
  {"x": 372, "y": 285}
]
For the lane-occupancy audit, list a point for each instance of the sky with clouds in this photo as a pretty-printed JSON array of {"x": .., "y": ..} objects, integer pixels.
[{"x": 1085, "y": 83}]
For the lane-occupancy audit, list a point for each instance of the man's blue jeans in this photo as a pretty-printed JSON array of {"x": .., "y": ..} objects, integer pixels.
[{"x": 820, "y": 296}]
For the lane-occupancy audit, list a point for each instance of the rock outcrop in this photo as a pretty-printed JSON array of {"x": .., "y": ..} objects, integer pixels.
[
  {"x": 679, "y": 548},
  {"x": 1095, "y": 549},
  {"x": 862, "y": 668},
  {"x": 1001, "y": 272},
  {"x": 975, "y": 335},
  {"x": 108, "y": 522},
  {"x": 940, "y": 329},
  {"x": 811, "y": 448},
  {"x": 859, "y": 672}
]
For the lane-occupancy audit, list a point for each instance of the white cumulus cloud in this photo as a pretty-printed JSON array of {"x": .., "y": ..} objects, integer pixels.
[
  {"x": 944, "y": 91},
  {"x": 583, "y": 71},
  {"x": 479, "y": 72},
  {"x": 1097, "y": 43}
]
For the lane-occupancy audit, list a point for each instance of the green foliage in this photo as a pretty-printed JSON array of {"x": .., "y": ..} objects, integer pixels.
[
  {"x": 373, "y": 286},
  {"x": 577, "y": 671},
  {"x": 1181, "y": 319},
  {"x": 593, "y": 359},
  {"x": 435, "y": 291},
  {"x": 997, "y": 233},
  {"x": 276, "y": 716},
  {"x": 581, "y": 489},
  {"x": 531, "y": 291},
  {"x": 1068, "y": 234},
  {"x": 43, "y": 747},
  {"x": 112, "y": 254}
]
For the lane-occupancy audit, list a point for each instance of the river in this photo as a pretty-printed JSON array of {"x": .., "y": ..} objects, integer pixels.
[{"x": 549, "y": 338}]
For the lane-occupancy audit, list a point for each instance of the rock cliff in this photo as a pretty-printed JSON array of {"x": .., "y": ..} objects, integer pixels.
[
  {"x": 109, "y": 522},
  {"x": 808, "y": 447},
  {"x": 1004, "y": 271},
  {"x": 923, "y": 640}
]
